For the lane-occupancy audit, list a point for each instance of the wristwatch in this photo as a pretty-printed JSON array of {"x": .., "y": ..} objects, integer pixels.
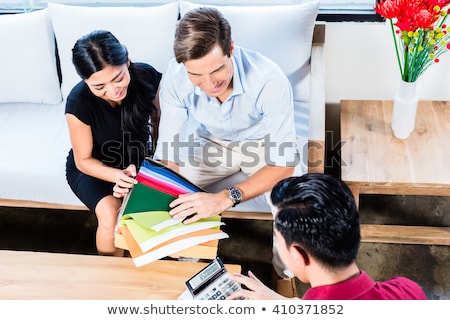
[{"x": 235, "y": 195}]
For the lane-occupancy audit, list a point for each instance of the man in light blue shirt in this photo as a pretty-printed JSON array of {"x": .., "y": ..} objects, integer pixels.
[
  {"x": 224, "y": 109},
  {"x": 258, "y": 102}
]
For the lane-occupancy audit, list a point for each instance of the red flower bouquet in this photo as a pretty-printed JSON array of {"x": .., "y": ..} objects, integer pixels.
[{"x": 419, "y": 31}]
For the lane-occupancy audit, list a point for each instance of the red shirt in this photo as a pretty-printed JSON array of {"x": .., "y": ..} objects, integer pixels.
[{"x": 363, "y": 287}]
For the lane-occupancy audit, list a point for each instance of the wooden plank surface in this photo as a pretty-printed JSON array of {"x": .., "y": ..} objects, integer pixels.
[
  {"x": 405, "y": 234},
  {"x": 38, "y": 275},
  {"x": 372, "y": 156},
  {"x": 37, "y": 204},
  {"x": 251, "y": 215}
]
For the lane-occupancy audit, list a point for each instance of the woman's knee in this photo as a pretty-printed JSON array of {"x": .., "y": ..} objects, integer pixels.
[{"x": 107, "y": 211}]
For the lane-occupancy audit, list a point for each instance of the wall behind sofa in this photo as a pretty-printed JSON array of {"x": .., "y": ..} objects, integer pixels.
[{"x": 360, "y": 63}]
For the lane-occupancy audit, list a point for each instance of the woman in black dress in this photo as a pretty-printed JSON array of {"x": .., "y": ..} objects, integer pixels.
[{"x": 113, "y": 116}]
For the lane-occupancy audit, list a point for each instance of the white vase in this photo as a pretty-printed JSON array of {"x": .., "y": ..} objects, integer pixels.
[{"x": 405, "y": 107}]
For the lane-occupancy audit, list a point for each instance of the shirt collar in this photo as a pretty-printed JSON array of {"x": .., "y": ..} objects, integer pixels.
[{"x": 347, "y": 290}]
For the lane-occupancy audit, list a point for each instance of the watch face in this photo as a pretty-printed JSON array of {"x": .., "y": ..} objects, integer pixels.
[{"x": 235, "y": 195}]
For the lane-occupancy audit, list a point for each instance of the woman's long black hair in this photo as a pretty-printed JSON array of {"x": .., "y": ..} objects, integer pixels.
[
  {"x": 139, "y": 120},
  {"x": 100, "y": 48}
]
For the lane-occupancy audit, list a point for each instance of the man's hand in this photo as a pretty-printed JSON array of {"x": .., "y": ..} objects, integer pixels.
[
  {"x": 125, "y": 181},
  {"x": 199, "y": 205},
  {"x": 256, "y": 289}
]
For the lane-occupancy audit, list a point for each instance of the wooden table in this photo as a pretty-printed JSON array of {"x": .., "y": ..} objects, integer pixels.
[
  {"x": 373, "y": 161},
  {"x": 37, "y": 275}
]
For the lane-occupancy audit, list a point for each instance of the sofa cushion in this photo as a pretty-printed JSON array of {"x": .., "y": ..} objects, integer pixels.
[
  {"x": 28, "y": 63},
  {"x": 32, "y": 165},
  {"x": 147, "y": 32}
]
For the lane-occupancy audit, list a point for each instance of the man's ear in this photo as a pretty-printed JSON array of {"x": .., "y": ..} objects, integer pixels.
[
  {"x": 232, "y": 48},
  {"x": 299, "y": 255}
]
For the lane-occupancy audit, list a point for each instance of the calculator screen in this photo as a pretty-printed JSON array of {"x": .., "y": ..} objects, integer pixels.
[{"x": 204, "y": 274}]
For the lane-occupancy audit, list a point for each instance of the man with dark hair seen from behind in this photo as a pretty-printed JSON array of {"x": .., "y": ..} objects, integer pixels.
[{"x": 318, "y": 233}]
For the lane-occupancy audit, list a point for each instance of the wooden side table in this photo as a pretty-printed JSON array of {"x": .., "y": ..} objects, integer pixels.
[{"x": 373, "y": 161}]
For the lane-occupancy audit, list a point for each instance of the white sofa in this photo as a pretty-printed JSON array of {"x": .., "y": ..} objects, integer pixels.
[{"x": 36, "y": 75}]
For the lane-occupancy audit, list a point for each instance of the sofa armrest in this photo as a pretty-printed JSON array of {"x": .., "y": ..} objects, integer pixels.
[{"x": 316, "y": 140}]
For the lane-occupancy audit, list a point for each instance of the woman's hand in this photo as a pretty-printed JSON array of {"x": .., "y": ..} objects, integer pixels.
[{"x": 125, "y": 181}]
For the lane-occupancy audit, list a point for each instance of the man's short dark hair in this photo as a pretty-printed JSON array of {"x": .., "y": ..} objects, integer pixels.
[
  {"x": 198, "y": 31},
  {"x": 318, "y": 213}
]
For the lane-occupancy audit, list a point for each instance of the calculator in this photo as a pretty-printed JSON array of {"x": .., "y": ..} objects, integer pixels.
[{"x": 212, "y": 282}]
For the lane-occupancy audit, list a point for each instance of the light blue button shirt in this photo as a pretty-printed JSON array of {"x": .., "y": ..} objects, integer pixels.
[{"x": 260, "y": 107}]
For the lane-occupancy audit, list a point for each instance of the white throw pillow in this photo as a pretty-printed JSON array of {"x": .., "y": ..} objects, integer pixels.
[
  {"x": 147, "y": 32},
  {"x": 28, "y": 71}
]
